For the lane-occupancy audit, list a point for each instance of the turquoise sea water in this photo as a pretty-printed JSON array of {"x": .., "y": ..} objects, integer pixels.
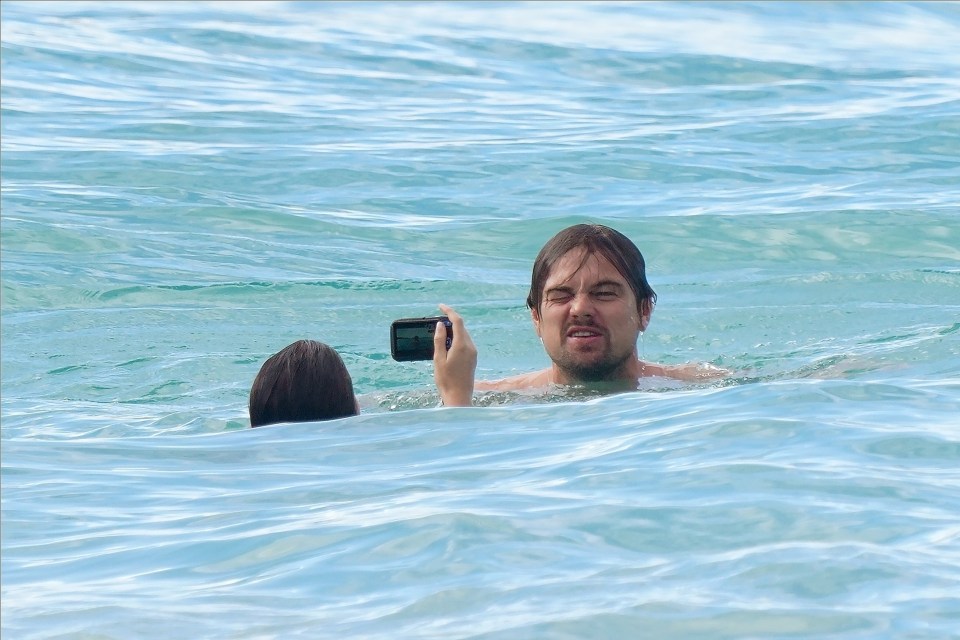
[{"x": 189, "y": 187}]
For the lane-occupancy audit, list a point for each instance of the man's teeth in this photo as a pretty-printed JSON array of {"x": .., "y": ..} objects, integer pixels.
[{"x": 582, "y": 334}]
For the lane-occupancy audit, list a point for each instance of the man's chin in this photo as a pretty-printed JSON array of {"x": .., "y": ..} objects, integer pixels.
[
  {"x": 589, "y": 371},
  {"x": 587, "y": 368}
]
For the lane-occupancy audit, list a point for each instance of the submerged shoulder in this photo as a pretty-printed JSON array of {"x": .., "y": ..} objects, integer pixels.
[
  {"x": 689, "y": 372},
  {"x": 531, "y": 380}
]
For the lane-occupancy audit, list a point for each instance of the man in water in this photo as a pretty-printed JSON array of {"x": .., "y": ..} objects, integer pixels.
[{"x": 589, "y": 300}]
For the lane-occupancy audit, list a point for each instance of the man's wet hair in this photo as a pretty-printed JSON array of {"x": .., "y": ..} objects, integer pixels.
[{"x": 594, "y": 239}]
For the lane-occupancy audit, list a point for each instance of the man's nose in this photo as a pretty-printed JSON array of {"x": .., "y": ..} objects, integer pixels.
[{"x": 581, "y": 305}]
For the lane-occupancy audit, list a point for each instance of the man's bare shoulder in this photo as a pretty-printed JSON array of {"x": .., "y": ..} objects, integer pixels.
[
  {"x": 532, "y": 380},
  {"x": 691, "y": 372}
]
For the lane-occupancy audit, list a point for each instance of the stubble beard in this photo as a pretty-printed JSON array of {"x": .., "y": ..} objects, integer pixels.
[{"x": 608, "y": 368}]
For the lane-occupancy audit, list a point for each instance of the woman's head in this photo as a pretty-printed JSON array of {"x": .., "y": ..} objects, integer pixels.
[{"x": 304, "y": 381}]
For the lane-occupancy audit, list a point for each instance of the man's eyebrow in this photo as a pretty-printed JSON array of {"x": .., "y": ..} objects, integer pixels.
[{"x": 608, "y": 283}]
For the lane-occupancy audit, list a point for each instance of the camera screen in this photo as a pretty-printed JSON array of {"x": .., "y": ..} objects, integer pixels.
[{"x": 414, "y": 339}]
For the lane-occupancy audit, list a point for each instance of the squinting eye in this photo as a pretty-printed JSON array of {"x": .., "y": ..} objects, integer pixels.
[
  {"x": 558, "y": 297},
  {"x": 606, "y": 294}
]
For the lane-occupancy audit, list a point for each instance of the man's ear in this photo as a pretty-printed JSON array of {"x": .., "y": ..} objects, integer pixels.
[
  {"x": 646, "y": 310},
  {"x": 535, "y": 316}
]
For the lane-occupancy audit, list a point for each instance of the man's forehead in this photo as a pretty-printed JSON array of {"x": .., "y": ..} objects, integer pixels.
[{"x": 573, "y": 266}]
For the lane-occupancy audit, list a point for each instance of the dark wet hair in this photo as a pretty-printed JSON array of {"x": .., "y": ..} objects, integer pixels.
[
  {"x": 304, "y": 381},
  {"x": 594, "y": 239}
]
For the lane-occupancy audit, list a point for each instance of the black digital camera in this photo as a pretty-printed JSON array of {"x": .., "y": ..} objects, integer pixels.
[{"x": 412, "y": 338}]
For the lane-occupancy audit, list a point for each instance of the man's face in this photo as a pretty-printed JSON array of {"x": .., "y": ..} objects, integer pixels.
[{"x": 588, "y": 320}]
